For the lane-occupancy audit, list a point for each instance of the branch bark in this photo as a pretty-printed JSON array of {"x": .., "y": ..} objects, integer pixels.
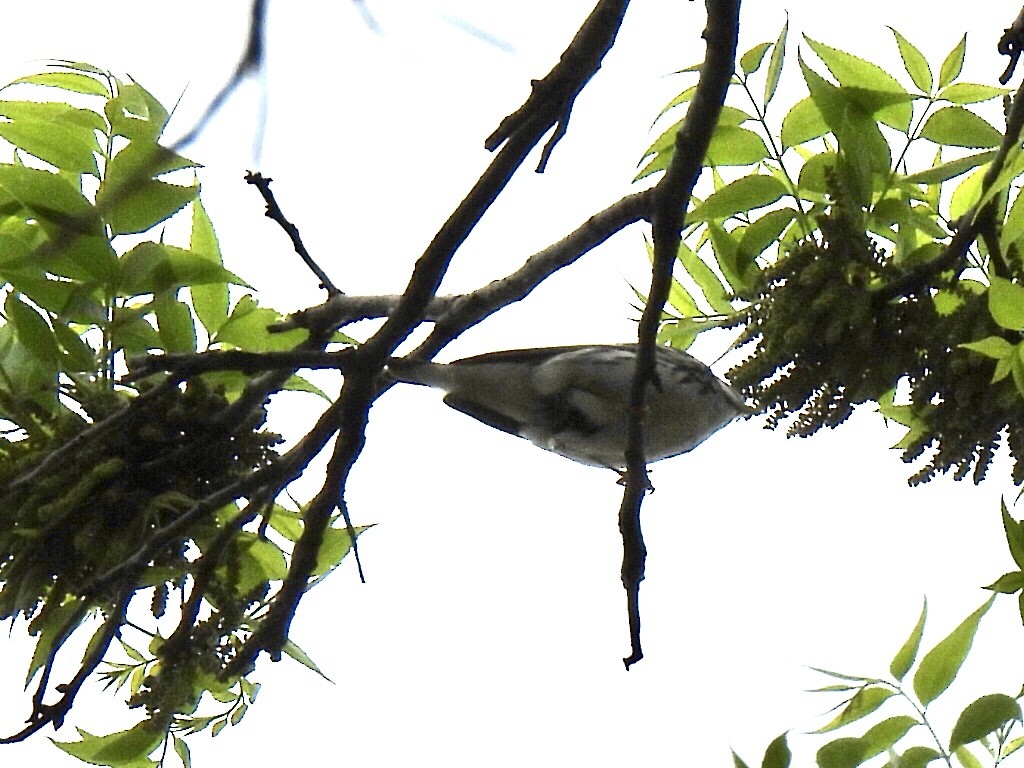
[{"x": 669, "y": 201}]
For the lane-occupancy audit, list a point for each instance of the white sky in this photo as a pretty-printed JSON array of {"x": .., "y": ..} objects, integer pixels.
[{"x": 492, "y": 626}]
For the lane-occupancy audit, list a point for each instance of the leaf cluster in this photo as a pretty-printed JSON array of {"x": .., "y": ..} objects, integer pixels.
[
  {"x": 911, "y": 739},
  {"x": 131, "y": 505},
  {"x": 897, "y": 266}
]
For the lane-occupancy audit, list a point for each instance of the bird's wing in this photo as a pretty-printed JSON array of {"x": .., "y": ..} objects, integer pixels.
[{"x": 482, "y": 413}]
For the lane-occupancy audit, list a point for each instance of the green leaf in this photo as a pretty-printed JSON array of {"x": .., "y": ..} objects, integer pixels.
[
  {"x": 907, "y": 654},
  {"x": 863, "y": 703},
  {"x": 132, "y": 198},
  {"x": 135, "y": 114},
  {"x": 940, "y": 665},
  {"x": 259, "y": 561},
  {"x": 53, "y": 625},
  {"x": 803, "y": 123},
  {"x": 1008, "y": 583},
  {"x": 995, "y": 347},
  {"x": 751, "y": 60},
  {"x": 971, "y": 93},
  {"x": 732, "y": 145},
  {"x": 918, "y": 757},
  {"x": 78, "y": 355},
  {"x": 953, "y": 63},
  {"x": 247, "y": 329},
  {"x": 60, "y": 207},
  {"x": 291, "y": 649},
  {"x": 174, "y": 323},
  {"x": 863, "y": 148},
  {"x": 1012, "y": 747},
  {"x": 116, "y": 748},
  {"x": 58, "y": 134},
  {"x": 682, "y": 98},
  {"x": 982, "y": 717},
  {"x": 1013, "y": 227},
  {"x": 154, "y": 267},
  {"x": 143, "y": 205},
  {"x": 23, "y": 376},
  {"x": 959, "y": 127},
  {"x": 1006, "y": 303},
  {"x": 966, "y": 194},
  {"x": 76, "y": 82},
  {"x": 914, "y": 62},
  {"x": 775, "y": 64},
  {"x": 778, "y": 754},
  {"x": 239, "y": 713},
  {"x": 949, "y": 170},
  {"x": 882, "y": 736},
  {"x": 745, "y": 194},
  {"x": 335, "y": 546},
  {"x": 726, "y": 248},
  {"x": 286, "y": 522},
  {"x": 1014, "y": 531},
  {"x": 707, "y": 281},
  {"x": 842, "y": 753},
  {"x": 182, "y": 751},
  {"x": 679, "y": 333},
  {"x": 764, "y": 232},
  {"x": 737, "y": 761},
  {"x": 815, "y": 173},
  {"x": 132, "y": 333},
  {"x": 210, "y": 300},
  {"x": 854, "y": 72},
  {"x": 33, "y": 331},
  {"x": 296, "y": 383}
]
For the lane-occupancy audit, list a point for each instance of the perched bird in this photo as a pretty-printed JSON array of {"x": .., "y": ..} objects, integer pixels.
[{"x": 574, "y": 401}]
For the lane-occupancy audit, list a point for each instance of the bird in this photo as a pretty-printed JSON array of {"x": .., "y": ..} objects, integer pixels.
[{"x": 574, "y": 400}]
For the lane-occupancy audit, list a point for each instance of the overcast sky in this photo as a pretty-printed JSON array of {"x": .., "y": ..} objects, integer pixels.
[{"x": 492, "y": 626}]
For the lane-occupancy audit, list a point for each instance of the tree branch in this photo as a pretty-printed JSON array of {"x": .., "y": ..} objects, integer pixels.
[
  {"x": 362, "y": 385},
  {"x": 670, "y": 198},
  {"x": 971, "y": 223},
  {"x": 274, "y": 212},
  {"x": 44, "y": 714},
  {"x": 252, "y": 60},
  {"x": 551, "y": 99}
]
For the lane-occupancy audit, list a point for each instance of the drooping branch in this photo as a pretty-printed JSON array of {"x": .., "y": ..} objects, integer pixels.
[{"x": 670, "y": 198}]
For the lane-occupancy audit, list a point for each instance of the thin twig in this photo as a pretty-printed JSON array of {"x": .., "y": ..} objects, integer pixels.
[
  {"x": 551, "y": 98},
  {"x": 1012, "y": 44},
  {"x": 251, "y": 61},
  {"x": 274, "y": 212},
  {"x": 45, "y": 714}
]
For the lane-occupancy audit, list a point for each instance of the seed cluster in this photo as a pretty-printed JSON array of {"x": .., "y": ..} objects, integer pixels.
[{"x": 828, "y": 334}]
